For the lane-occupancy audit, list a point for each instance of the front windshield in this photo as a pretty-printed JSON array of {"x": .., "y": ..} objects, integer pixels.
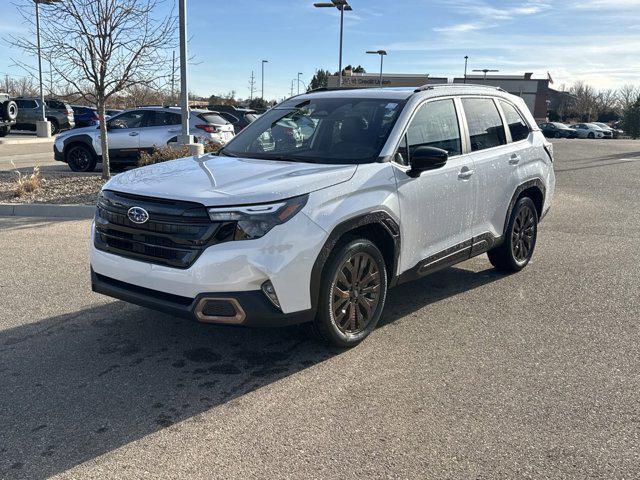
[{"x": 321, "y": 130}]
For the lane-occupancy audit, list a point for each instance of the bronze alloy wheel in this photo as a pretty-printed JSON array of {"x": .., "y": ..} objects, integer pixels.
[
  {"x": 523, "y": 234},
  {"x": 355, "y": 293}
]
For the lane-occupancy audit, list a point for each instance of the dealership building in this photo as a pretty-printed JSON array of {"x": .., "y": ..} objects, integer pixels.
[{"x": 535, "y": 92}]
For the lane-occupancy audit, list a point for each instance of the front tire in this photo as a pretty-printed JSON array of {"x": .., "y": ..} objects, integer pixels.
[
  {"x": 4, "y": 131},
  {"x": 516, "y": 250},
  {"x": 591, "y": 135},
  {"x": 80, "y": 159},
  {"x": 353, "y": 292}
]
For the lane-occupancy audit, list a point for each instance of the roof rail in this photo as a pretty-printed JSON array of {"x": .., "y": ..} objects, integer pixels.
[{"x": 456, "y": 85}]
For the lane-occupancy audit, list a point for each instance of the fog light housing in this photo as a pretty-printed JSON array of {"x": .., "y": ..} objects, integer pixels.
[{"x": 270, "y": 292}]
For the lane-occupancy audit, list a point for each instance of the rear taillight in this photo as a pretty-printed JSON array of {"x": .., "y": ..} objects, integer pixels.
[{"x": 209, "y": 128}]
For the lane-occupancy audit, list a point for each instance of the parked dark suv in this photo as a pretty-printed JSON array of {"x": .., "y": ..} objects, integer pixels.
[
  {"x": 59, "y": 113},
  {"x": 238, "y": 117},
  {"x": 8, "y": 114},
  {"x": 84, "y": 116}
]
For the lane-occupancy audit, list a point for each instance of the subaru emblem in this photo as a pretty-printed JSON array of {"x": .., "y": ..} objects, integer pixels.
[{"x": 138, "y": 215}]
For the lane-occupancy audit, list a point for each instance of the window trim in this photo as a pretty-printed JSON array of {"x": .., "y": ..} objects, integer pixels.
[{"x": 462, "y": 128}]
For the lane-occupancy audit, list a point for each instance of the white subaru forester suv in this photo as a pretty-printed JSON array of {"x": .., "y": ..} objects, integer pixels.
[{"x": 386, "y": 186}]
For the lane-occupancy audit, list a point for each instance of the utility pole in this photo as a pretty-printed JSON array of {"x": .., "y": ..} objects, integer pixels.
[
  {"x": 263, "y": 62},
  {"x": 291, "y": 88},
  {"x": 299, "y": 73},
  {"x": 252, "y": 85},
  {"x": 50, "y": 79},
  {"x": 173, "y": 77}
]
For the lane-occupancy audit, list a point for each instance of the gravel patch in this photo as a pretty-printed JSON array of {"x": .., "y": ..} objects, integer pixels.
[{"x": 57, "y": 188}]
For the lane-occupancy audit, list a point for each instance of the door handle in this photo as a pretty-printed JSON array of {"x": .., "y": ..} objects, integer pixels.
[
  {"x": 465, "y": 173},
  {"x": 514, "y": 160},
  {"x": 134, "y": 134}
]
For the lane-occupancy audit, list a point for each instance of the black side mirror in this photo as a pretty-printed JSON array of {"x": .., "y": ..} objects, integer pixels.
[{"x": 427, "y": 158}]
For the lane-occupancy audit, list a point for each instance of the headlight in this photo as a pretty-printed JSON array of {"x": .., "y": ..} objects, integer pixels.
[{"x": 255, "y": 221}]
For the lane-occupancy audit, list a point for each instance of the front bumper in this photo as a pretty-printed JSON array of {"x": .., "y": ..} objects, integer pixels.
[
  {"x": 57, "y": 154},
  {"x": 285, "y": 256},
  {"x": 253, "y": 308}
]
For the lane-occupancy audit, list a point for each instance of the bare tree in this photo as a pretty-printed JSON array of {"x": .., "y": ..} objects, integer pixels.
[
  {"x": 628, "y": 95},
  {"x": 102, "y": 47}
]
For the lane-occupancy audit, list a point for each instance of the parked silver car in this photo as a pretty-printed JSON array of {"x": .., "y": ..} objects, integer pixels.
[
  {"x": 137, "y": 130},
  {"x": 588, "y": 130}
]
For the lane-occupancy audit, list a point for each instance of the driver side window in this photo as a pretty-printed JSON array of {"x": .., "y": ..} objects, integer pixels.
[
  {"x": 127, "y": 120},
  {"x": 434, "y": 125}
]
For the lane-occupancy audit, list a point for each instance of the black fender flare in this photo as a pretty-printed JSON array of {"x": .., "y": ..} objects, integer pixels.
[
  {"x": 377, "y": 217},
  {"x": 536, "y": 182},
  {"x": 83, "y": 138}
]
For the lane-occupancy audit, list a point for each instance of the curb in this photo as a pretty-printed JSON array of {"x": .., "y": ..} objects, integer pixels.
[
  {"x": 48, "y": 210},
  {"x": 26, "y": 141}
]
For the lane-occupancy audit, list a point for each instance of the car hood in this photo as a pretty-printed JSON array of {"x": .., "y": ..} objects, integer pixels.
[
  {"x": 78, "y": 131},
  {"x": 224, "y": 181}
]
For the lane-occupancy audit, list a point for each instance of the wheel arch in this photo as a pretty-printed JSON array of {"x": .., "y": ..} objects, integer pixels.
[
  {"x": 378, "y": 227},
  {"x": 533, "y": 189}
]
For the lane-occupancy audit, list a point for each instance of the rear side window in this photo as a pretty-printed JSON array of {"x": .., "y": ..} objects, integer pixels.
[
  {"x": 517, "y": 126},
  {"x": 230, "y": 118},
  {"x": 485, "y": 125},
  {"x": 26, "y": 103},
  {"x": 435, "y": 125},
  {"x": 162, "y": 119}
]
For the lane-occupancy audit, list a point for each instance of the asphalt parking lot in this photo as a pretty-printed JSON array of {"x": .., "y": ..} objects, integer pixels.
[{"x": 472, "y": 374}]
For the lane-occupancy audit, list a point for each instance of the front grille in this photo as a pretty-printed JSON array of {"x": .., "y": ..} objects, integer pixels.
[{"x": 175, "y": 235}]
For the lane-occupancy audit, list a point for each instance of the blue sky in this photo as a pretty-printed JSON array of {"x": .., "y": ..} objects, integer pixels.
[{"x": 593, "y": 40}]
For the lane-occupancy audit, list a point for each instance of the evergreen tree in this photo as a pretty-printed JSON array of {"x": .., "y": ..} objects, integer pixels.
[{"x": 631, "y": 120}]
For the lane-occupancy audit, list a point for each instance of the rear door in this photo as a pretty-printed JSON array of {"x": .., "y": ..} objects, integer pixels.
[
  {"x": 160, "y": 127},
  {"x": 496, "y": 161},
  {"x": 124, "y": 134}
]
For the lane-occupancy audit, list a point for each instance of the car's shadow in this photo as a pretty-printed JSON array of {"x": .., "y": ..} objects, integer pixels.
[{"x": 79, "y": 385}]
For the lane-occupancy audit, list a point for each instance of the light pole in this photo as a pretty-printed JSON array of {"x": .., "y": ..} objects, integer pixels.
[
  {"x": 299, "y": 73},
  {"x": 185, "y": 138},
  {"x": 263, "y": 62},
  {"x": 466, "y": 59},
  {"x": 485, "y": 71},
  {"x": 382, "y": 54},
  {"x": 43, "y": 128},
  {"x": 342, "y": 5}
]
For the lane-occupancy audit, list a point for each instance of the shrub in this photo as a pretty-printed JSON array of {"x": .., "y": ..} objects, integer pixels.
[
  {"x": 164, "y": 154},
  {"x": 26, "y": 184},
  {"x": 631, "y": 120}
]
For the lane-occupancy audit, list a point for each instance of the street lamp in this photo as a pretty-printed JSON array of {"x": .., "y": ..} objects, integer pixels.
[
  {"x": 263, "y": 62},
  {"x": 382, "y": 54},
  {"x": 45, "y": 129},
  {"x": 485, "y": 71},
  {"x": 299, "y": 73},
  {"x": 342, "y": 5},
  {"x": 466, "y": 59}
]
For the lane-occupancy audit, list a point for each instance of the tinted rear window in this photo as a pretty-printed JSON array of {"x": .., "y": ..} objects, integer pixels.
[{"x": 213, "y": 118}]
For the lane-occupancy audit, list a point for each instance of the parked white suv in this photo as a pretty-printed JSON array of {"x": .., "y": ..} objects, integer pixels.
[
  {"x": 134, "y": 131},
  {"x": 392, "y": 185}
]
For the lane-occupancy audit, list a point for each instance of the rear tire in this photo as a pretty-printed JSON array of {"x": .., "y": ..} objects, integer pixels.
[
  {"x": 55, "y": 127},
  {"x": 353, "y": 292},
  {"x": 80, "y": 158},
  {"x": 519, "y": 242}
]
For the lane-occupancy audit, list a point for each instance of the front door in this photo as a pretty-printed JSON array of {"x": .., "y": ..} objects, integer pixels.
[
  {"x": 124, "y": 134},
  {"x": 436, "y": 206}
]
